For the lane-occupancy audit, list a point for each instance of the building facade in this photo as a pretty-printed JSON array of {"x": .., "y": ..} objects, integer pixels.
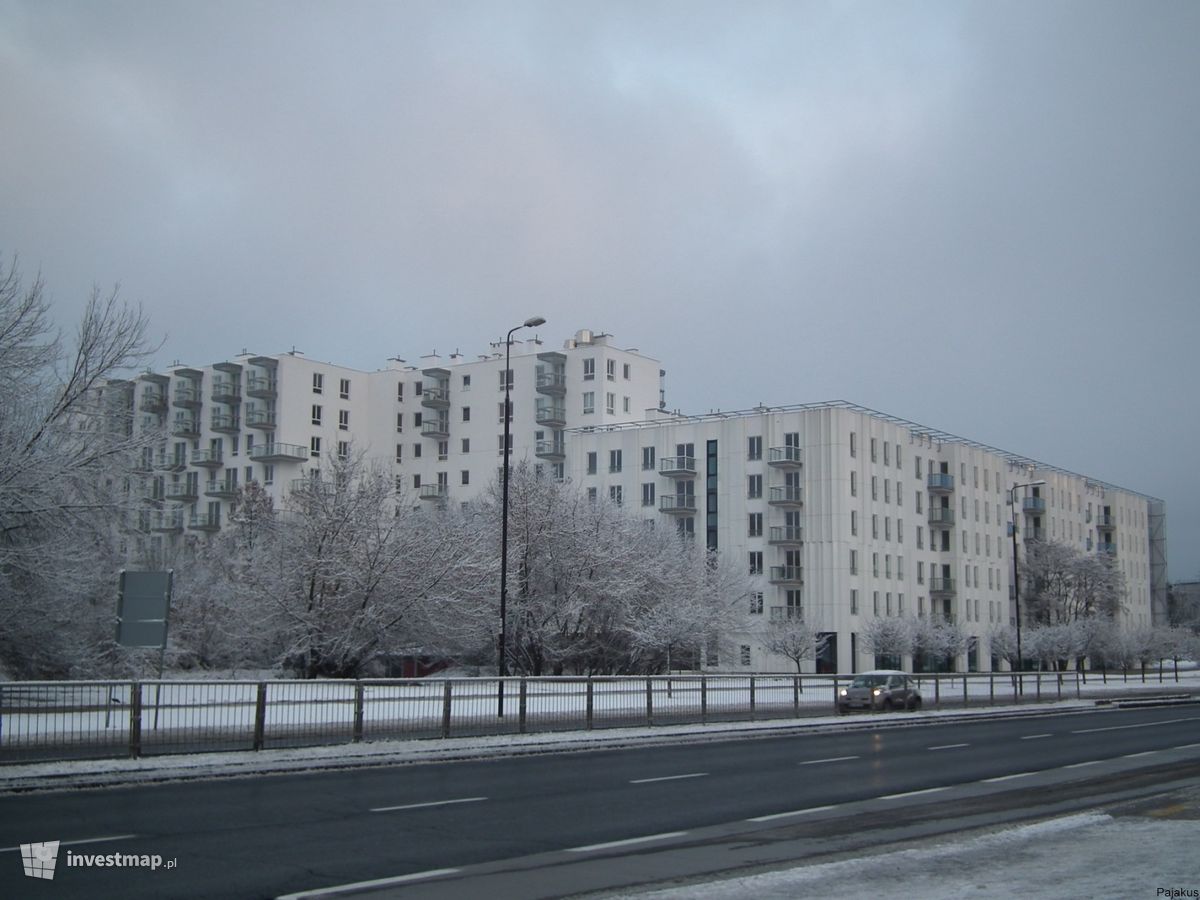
[{"x": 839, "y": 513}]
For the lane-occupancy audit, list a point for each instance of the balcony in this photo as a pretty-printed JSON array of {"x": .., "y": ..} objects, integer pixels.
[
  {"x": 186, "y": 428},
  {"x": 1034, "y": 506},
  {"x": 221, "y": 490},
  {"x": 940, "y": 482},
  {"x": 226, "y": 423},
  {"x": 212, "y": 459},
  {"x": 553, "y": 415},
  {"x": 785, "y": 457},
  {"x": 677, "y": 504},
  {"x": 436, "y": 397},
  {"x": 226, "y": 390},
  {"x": 1103, "y": 521},
  {"x": 552, "y": 384},
  {"x": 1035, "y": 534},
  {"x": 677, "y": 466},
  {"x": 171, "y": 520},
  {"x": 182, "y": 491},
  {"x": 787, "y": 575},
  {"x": 187, "y": 397},
  {"x": 786, "y": 495},
  {"x": 941, "y": 587},
  {"x": 438, "y": 492},
  {"x": 941, "y": 517},
  {"x": 261, "y": 387},
  {"x": 205, "y": 521},
  {"x": 436, "y": 428},
  {"x": 170, "y": 462},
  {"x": 276, "y": 452},
  {"x": 152, "y": 401},
  {"x": 1106, "y": 549},
  {"x": 260, "y": 418},
  {"x": 555, "y": 451},
  {"x": 785, "y": 534}
]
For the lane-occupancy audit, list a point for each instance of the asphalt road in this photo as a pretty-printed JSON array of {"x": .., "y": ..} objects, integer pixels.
[{"x": 266, "y": 836}]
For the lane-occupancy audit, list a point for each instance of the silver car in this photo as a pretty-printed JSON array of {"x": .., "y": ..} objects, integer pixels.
[{"x": 884, "y": 689}]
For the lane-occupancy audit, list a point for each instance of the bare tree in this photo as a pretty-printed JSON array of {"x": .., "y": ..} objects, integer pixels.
[
  {"x": 1066, "y": 585},
  {"x": 887, "y": 637},
  {"x": 796, "y": 639},
  {"x": 936, "y": 642}
]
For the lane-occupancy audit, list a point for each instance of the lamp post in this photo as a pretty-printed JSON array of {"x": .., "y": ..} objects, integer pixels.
[
  {"x": 502, "y": 664},
  {"x": 1016, "y": 575}
]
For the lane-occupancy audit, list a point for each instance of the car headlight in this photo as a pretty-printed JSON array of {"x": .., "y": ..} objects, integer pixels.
[
  {"x": 843, "y": 692},
  {"x": 877, "y": 692}
]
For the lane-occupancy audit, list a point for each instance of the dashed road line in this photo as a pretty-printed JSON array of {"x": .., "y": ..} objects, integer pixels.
[
  {"x": 948, "y": 747},
  {"x": 795, "y": 812},
  {"x": 357, "y": 886},
  {"x": 1008, "y": 777},
  {"x": 627, "y": 842},
  {"x": 832, "y": 759},
  {"x": 1034, "y": 737},
  {"x": 669, "y": 778},
  {"x": 95, "y": 840},
  {"x": 429, "y": 804}
]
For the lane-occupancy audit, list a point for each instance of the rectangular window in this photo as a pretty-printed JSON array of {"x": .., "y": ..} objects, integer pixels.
[
  {"x": 753, "y": 486},
  {"x": 589, "y": 402},
  {"x": 887, "y": 454},
  {"x": 318, "y": 383},
  {"x": 591, "y": 495},
  {"x": 756, "y": 562},
  {"x": 344, "y": 388},
  {"x": 900, "y": 567},
  {"x": 614, "y": 494},
  {"x": 899, "y": 531},
  {"x": 853, "y": 562},
  {"x": 418, "y": 388},
  {"x": 466, "y": 384},
  {"x": 466, "y": 414},
  {"x": 610, "y": 403},
  {"x": 874, "y": 450},
  {"x": 756, "y": 524},
  {"x": 500, "y": 446},
  {"x": 853, "y": 444},
  {"x": 854, "y": 601},
  {"x": 626, "y": 371},
  {"x": 647, "y": 459},
  {"x": 853, "y": 484},
  {"x": 466, "y": 476},
  {"x": 417, "y": 420},
  {"x": 875, "y": 564},
  {"x": 589, "y": 369},
  {"x": 591, "y": 462},
  {"x": 887, "y": 528},
  {"x": 316, "y": 414},
  {"x": 625, "y": 404},
  {"x": 874, "y": 487},
  {"x": 853, "y": 523},
  {"x": 443, "y": 450},
  {"x": 399, "y": 423},
  {"x": 874, "y": 527},
  {"x": 500, "y": 411},
  {"x": 647, "y": 493},
  {"x": 887, "y": 566},
  {"x": 343, "y": 449},
  {"x": 344, "y": 419},
  {"x": 754, "y": 447},
  {"x": 416, "y": 451},
  {"x": 416, "y": 482},
  {"x": 887, "y": 489},
  {"x": 614, "y": 461},
  {"x": 756, "y": 603},
  {"x": 466, "y": 445},
  {"x": 875, "y": 602},
  {"x": 269, "y": 474},
  {"x": 400, "y": 391},
  {"x": 314, "y": 447},
  {"x": 610, "y": 367},
  {"x": 399, "y": 453},
  {"x": 505, "y": 378},
  {"x": 920, "y": 572}
]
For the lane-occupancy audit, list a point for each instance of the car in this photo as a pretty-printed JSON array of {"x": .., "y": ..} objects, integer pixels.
[{"x": 883, "y": 689}]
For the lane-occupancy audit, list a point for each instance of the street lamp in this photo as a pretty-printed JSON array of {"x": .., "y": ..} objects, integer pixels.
[
  {"x": 1016, "y": 575},
  {"x": 502, "y": 666}
]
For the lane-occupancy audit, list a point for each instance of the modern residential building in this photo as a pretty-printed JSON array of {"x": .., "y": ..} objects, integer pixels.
[{"x": 839, "y": 513}]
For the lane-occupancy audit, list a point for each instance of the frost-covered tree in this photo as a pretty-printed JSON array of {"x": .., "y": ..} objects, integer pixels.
[
  {"x": 936, "y": 643},
  {"x": 887, "y": 638},
  {"x": 796, "y": 639},
  {"x": 1063, "y": 584},
  {"x": 66, "y": 473}
]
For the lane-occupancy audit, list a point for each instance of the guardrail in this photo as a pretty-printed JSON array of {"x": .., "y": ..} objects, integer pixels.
[{"x": 99, "y": 719}]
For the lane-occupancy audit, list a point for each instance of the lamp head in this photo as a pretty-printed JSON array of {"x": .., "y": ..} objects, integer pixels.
[{"x": 534, "y": 321}]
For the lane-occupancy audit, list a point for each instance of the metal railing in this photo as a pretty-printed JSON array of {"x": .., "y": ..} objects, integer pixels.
[{"x": 99, "y": 719}]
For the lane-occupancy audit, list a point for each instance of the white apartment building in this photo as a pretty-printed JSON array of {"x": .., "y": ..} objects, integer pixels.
[{"x": 839, "y": 513}]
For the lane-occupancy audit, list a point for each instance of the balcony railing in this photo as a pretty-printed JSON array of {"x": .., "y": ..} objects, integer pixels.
[
  {"x": 944, "y": 586},
  {"x": 433, "y": 491},
  {"x": 551, "y": 414},
  {"x": 436, "y": 397},
  {"x": 552, "y": 450},
  {"x": 170, "y": 462},
  {"x": 261, "y": 387},
  {"x": 787, "y": 574},
  {"x": 187, "y": 397},
  {"x": 1103, "y": 521},
  {"x": 785, "y": 534},
  {"x": 205, "y": 521},
  {"x": 785, "y": 457},
  {"x": 677, "y": 504},
  {"x": 225, "y": 422},
  {"x": 276, "y": 452},
  {"x": 152, "y": 402},
  {"x": 940, "y": 482},
  {"x": 167, "y": 521},
  {"x": 185, "y": 428},
  {"x": 220, "y": 489},
  {"x": 184, "y": 492},
  {"x": 553, "y": 384},
  {"x": 1106, "y": 549},
  {"x": 677, "y": 466},
  {"x": 260, "y": 418},
  {"x": 1035, "y": 534},
  {"x": 941, "y": 516},
  {"x": 226, "y": 390},
  {"x": 786, "y": 495},
  {"x": 1034, "y": 505},
  {"x": 213, "y": 459},
  {"x": 436, "y": 428}
]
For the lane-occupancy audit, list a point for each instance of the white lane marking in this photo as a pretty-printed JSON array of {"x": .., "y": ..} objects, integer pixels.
[
  {"x": 1137, "y": 725},
  {"x": 1143, "y": 753},
  {"x": 1186, "y": 747},
  {"x": 669, "y": 778},
  {"x": 1034, "y": 737},
  {"x": 426, "y": 805},
  {"x": 813, "y": 762},
  {"x": 1008, "y": 777},
  {"x": 948, "y": 747},
  {"x": 627, "y": 842},
  {"x": 1080, "y": 765},
  {"x": 356, "y": 886},
  {"x": 794, "y": 812},
  {"x": 913, "y": 793},
  {"x": 97, "y": 840}
]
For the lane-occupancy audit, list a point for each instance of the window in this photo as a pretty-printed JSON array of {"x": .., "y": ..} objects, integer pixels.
[
  {"x": 756, "y": 524},
  {"x": 416, "y": 451},
  {"x": 875, "y": 527},
  {"x": 316, "y": 414},
  {"x": 853, "y": 484},
  {"x": 466, "y": 384},
  {"x": 314, "y": 447},
  {"x": 874, "y": 450},
  {"x": 233, "y": 449},
  {"x": 318, "y": 383},
  {"x": 853, "y": 523},
  {"x": 917, "y": 467},
  {"x": 443, "y": 450},
  {"x": 343, "y": 419},
  {"x": 887, "y": 489},
  {"x": 416, "y": 481},
  {"x": 417, "y": 420},
  {"x": 614, "y": 494},
  {"x": 419, "y": 388},
  {"x": 399, "y": 423},
  {"x": 589, "y": 402},
  {"x": 589, "y": 369},
  {"x": 626, "y": 370},
  {"x": 466, "y": 414},
  {"x": 647, "y": 459},
  {"x": 466, "y": 476},
  {"x": 756, "y": 562},
  {"x": 591, "y": 462},
  {"x": 899, "y": 531},
  {"x": 754, "y": 447},
  {"x": 900, "y": 567},
  {"x": 610, "y": 367},
  {"x": 875, "y": 601},
  {"x": 887, "y": 528},
  {"x": 400, "y": 391},
  {"x": 745, "y": 654},
  {"x": 647, "y": 493},
  {"x": 591, "y": 495},
  {"x": 269, "y": 474},
  {"x": 625, "y": 404},
  {"x": 753, "y": 486},
  {"x": 506, "y": 378},
  {"x": 899, "y": 494},
  {"x": 343, "y": 450},
  {"x": 887, "y": 453},
  {"x": 466, "y": 445},
  {"x": 874, "y": 487},
  {"x": 399, "y": 453},
  {"x": 610, "y": 403},
  {"x": 875, "y": 564},
  {"x": 344, "y": 388},
  {"x": 500, "y": 411},
  {"x": 500, "y": 446},
  {"x": 853, "y": 562},
  {"x": 854, "y": 601},
  {"x": 614, "y": 461},
  {"x": 756, "y": 603},
  {"x": 853, "y": 444}
]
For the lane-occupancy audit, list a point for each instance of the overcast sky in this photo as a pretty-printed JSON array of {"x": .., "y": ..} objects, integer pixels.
[{"x": 979, "y": 216}]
